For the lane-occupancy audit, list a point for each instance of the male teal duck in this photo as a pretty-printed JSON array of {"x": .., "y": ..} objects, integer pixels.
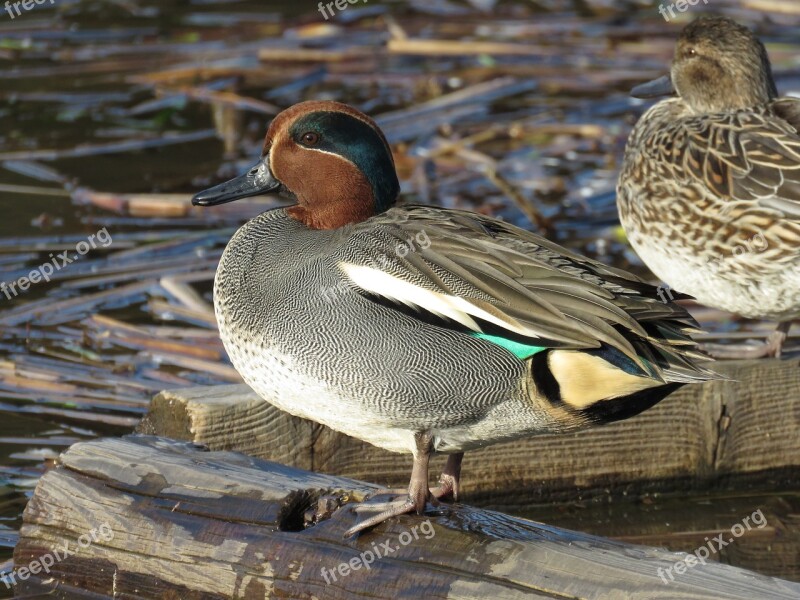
[
  {"x": 709, "y": 192},
  {"x": 420, "y": 329}
]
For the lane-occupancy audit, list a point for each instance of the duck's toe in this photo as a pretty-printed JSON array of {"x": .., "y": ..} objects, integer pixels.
[
  {"x": 770, "y": 348},
  {"x": 388, "y": 510},
  {"x": 736, "y": 351},
  {"x": 448, "y": 481},
  {"x": 447, "y": 488},
  {"x": 371, "y": 507},
  {"x": 387, "y": 492},
  {"x": 415, "y": 500}
]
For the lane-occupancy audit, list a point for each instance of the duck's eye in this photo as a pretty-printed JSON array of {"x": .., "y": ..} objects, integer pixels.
[
  {"x": 310, "y": 138},
  {"x": 691, "y": 52}
]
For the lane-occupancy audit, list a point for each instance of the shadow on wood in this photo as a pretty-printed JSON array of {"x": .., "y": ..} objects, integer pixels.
[
  {"x": 718, "y": 434},
  {"x": 190, "y": 524}
]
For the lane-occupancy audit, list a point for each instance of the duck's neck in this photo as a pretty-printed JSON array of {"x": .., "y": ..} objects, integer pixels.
[{"x": 331, "y": 215}]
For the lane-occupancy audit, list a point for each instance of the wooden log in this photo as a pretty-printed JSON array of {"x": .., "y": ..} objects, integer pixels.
[
  {"x": 716, "y": 434},
  {"x": 150, "y": 518}
]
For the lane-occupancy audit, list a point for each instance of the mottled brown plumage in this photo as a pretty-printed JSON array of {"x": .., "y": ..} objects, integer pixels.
[{"x": 709, "y": 193}]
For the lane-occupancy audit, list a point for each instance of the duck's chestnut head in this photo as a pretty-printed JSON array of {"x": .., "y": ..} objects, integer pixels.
[{"x": 330, "y": 158}]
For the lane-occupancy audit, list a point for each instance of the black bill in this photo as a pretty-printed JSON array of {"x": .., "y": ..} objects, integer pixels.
[{"x": 256, "y": 181}]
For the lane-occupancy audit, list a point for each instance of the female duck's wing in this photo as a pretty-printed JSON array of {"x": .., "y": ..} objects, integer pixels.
[
  {"x": 748, "y": 159},
  {"x": 785, "y": 157},
  {"x": 493, "y": 279},
  {"x": 738, "y": 156}
]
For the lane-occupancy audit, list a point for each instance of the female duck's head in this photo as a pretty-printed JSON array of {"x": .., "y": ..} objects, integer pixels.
[
  {"x": 330, "y": 158},
  {"x": 718, "y": 66}
]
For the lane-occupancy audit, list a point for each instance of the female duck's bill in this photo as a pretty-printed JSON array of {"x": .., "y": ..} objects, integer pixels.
[{"x": 658, "y": 88}]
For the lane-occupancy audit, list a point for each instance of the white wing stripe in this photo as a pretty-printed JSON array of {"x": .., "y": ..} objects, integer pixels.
[{"x": 458, "y": 309}]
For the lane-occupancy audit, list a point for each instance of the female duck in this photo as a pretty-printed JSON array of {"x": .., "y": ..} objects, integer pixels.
[
  {"x": 709, "y": 193},
  {"x": 420, "y": 329}
]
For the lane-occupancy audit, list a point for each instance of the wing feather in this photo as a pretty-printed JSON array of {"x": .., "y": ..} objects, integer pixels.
[{"x": 477, "y": 272}]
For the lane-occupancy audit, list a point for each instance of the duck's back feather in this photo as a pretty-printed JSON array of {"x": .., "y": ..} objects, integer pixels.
[
  {"x": 484, "y": 275},
  {"x": 747, "y": 161}
]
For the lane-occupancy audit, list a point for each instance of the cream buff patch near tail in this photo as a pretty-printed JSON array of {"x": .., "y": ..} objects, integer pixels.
[{"x": 585, "y": 379}]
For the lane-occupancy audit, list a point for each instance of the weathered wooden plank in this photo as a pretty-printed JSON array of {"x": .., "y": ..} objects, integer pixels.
[
  {"x": 699, "y": 437},
  {"x": 759, "y": 430},
  {"x": 189, "y": 524}
]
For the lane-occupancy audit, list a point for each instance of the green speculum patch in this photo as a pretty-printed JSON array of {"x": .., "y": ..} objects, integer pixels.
[{"x": 518, "y": 349}]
